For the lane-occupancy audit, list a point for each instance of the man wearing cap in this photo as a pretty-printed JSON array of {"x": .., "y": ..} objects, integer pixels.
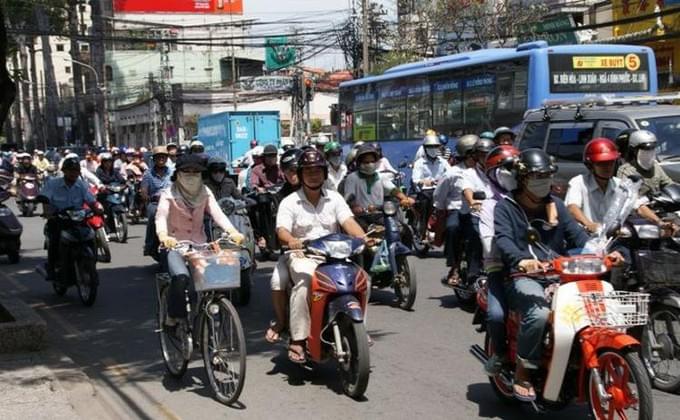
[
  {"x": 172, "y": 155},
  {"x": 66, "y": 192},
  {"x": 154, "y": 181},
  {"x": 267, "y": 174}
]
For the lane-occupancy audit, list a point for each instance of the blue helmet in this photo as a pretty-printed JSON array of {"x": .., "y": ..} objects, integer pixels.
[{"x": 443, "y": 139}]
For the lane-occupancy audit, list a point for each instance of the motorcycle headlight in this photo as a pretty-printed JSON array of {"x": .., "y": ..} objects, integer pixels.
[
  {"x": 648, "y": 231},
  {"x": 338, "y": 249},
  {"x": 76, "y": 215},
  {"x": 389, "y": 208},
  {"x": 584, "y": 266}
]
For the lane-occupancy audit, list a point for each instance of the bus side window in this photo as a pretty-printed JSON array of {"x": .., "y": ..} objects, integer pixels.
[
  {"x": 534, "y": 135},
  {"x": 567, "y": 142}
]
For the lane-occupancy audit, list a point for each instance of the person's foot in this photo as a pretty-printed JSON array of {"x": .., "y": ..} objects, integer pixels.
[
  {"x": 494, "y": 365},
  {"x": 524, "y": 391},
  {"x": 296, "y": 352},
  {"x": 453, "y": 278},
  {"x": 273, "y": 334}
]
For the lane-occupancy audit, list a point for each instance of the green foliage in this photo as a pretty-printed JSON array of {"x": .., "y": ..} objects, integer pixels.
[{"x": 317, "y": 124}]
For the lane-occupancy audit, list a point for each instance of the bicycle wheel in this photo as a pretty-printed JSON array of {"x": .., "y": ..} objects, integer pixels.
[
  {"x": 173, "y": 341},
  {"x": 223, "y": 345}
]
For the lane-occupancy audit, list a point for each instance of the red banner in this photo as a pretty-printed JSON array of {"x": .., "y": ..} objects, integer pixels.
[{"x": 179, "y": 6}]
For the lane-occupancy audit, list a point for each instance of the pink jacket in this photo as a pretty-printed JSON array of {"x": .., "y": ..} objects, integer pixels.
[{"x": 184, "y": 224}]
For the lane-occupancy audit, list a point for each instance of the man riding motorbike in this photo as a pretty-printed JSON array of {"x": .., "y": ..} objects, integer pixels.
[
  {"x": 512, "y": 218},
  {"x": 309, "y": 213},
  {"x": 503, "y": 135},
  {"x": 289, "y": 166},
  {"x": 25, "y": 165},
  {"x": 154, "y": 181},
  {"x": 66, "y": 192},
  {"x": 267, "y": 173},
  {"x": 106, "y": 173},
  {"x": 431, "y": 167},
  {"x": 641, "y": 162},
  {"x": 365, "y": 189},
  {"x": 181, "y": 208},
  {"x": 40, "y": 161},
  {"x": 217, "y": 180},
  {"x": 337, "y": 170},
  {"x": 196, "y": 147}
]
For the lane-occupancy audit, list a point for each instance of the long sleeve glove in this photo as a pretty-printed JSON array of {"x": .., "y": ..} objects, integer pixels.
[{"x": 167, "y": 241}]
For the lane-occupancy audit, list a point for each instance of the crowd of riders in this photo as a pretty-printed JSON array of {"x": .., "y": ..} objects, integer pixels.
[{"x": 483, "y": 189}]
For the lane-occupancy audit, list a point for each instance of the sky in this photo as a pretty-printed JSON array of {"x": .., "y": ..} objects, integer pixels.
[{"x": 319, "y": 14}]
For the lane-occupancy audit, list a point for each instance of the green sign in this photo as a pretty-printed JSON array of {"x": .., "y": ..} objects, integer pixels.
[
  {"x": 542, "y": 31},
  {"x": 278, "y": 55}
]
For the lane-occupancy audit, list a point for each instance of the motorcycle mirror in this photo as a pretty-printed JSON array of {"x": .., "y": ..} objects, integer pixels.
[
  {"x": 403, "y": 164},
  {"x": 533, "y": 237},
  {"x": 479, "y": 195}
]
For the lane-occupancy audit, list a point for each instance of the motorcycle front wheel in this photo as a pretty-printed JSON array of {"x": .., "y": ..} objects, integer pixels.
[
  {"x": 120, "y": 224},
  {"x": 664, "y": 359},
  {"x": 86, "y": 281},
  {"x": 223, "y": 344},
  {"x": 355, "y": 368},
  {"x": 405, "y": 283},
  {"x": 102, "y": 246},
  {"x": 172, "y": 340},
  {"x": 626, "y": 383}
]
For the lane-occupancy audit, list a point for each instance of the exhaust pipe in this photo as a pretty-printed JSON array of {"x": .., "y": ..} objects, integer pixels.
[{"x": 479, "y": 353}]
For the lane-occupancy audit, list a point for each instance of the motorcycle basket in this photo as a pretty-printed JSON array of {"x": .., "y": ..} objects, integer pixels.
[
  {"x": 616, "y": 309},
  {"x": 659, "y": 268},
  {"x": 214, "y": 269}
]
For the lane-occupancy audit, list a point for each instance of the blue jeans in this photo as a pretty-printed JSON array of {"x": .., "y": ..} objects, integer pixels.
[
  {"x": 173, "y": 263},
  {"x": 496, "y": 310},
  {"x": 526, "y": 296},
  {"x": 452, "y": 242},
  {"x": 473, "y": 245},
  {"x": 150, "y": 241}
]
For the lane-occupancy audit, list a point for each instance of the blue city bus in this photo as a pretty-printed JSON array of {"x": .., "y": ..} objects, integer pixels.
[{"x": 480, "y": 90}]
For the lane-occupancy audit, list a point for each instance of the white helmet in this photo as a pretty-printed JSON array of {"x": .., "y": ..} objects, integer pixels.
[
  {"x": 258, "y": 151},
  {"x": 322, "y": 140},
  {"x": 642, "y": 138},
  {"x": 431, "y": 140}
]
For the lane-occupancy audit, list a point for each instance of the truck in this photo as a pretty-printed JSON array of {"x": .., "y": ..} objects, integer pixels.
[{"x": 228, "y": 134}]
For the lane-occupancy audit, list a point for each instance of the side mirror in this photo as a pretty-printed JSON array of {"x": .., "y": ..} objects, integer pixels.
[
  {"x": 533, "y": 237},
  {"x": 479, "y": 195}
]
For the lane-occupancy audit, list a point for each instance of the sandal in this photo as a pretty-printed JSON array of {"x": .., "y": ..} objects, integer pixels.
[
  {"x": 531, "y": 393},
  {"x": 453, "y": 279},
  {"x": 273, "y": 334},
  {"x": 296, "y": 352}
]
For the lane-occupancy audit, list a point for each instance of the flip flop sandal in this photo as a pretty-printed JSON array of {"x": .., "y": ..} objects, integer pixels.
[
  {"x": 272, "y": 336},
  {"x": 299, "y": 358},
  {"x": 524, "y": 398}
]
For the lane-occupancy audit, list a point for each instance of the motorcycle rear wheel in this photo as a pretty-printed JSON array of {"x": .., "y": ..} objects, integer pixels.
[
  {"x": 120, "y": 224},
  {"x": 223, "y": 344},
  {"x": 614, "y": 367},
  {"x": 86, "y": 281},
  {"x": 355, "y": 370},
  {"x": 664, "y": 323},
  {"x": 102, "y": 246},
  {"x": 172, "y": 346},
  {"x": 405, "y": 283}
]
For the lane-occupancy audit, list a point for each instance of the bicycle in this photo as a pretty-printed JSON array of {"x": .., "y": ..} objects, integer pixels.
[{"x": 215, "y": 271}]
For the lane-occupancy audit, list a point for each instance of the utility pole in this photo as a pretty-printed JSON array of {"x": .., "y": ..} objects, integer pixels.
[
  {"x": 77, "y": 75},
  {"x": 97, "y": 53},
  {"x": 364, "y": 37},
  {"x": 165, "y": 82},
  {"x": 233, "y": 63}
]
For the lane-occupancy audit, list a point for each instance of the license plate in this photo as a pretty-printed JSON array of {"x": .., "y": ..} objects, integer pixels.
[{"x": 29, "y": 185}]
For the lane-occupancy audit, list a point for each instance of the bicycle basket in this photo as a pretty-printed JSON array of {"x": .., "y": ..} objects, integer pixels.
[
  {"x": 616, "y": 309},
  {"x": 214, "y": 269},
  {"x": 659, "y": 268}
]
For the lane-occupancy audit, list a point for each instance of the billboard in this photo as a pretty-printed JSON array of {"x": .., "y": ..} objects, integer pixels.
[{"x": 179, "y": 6}]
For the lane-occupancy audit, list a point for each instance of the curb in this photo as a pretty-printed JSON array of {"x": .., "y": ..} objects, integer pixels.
[{"x": 25, "y": 330}]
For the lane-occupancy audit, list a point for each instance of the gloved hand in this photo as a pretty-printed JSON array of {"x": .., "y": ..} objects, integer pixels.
[
  {"x": 236, "y": 236},
  {"x": 167, "y": 241}
]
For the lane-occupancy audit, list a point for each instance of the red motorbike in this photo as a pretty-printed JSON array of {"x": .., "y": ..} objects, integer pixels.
[{"x": 97, "y": 223}]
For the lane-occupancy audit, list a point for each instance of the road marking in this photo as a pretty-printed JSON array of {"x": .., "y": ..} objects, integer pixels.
[
  {"x": 20, "y": 287},
  {"x": 114, "y": 367},
  {"x": 166, "y": 412}
]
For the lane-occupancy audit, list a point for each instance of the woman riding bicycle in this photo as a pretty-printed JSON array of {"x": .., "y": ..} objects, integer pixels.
[{"x": 181, "y": 208}]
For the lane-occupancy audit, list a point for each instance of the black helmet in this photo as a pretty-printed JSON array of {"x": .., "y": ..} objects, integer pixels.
[
  {"x": 289, "y": 159},
  {"x": 533, "y": 161},
  {"x": 366, "y": 149},
  {"x": 70, "y": 164},
  {"x": 191, "y": 161},
  {"x": 216, "y": 163},
  {"x": 183, "y": 150},
  {"x": 270, "y": 150},
  {"x": 378, "y": 148},
  {"x": 621, "y": 141},
  {"x": 312, "y": 158},
  {"x": 484, "y": 146}
]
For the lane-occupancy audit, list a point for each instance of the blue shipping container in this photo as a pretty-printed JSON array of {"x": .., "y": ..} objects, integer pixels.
[{"x": 228, "y": 134}]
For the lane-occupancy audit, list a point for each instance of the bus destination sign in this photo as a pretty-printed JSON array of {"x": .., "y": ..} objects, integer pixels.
[{"x": 598, "y": 73}]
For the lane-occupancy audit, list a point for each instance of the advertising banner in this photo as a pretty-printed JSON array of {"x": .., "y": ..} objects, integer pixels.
[{"x": 179, "y": 6}]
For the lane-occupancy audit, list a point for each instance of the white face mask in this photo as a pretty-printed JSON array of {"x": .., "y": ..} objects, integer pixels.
[
  {"x": 367, "y": 168},
  {"x": 506, "y": 179},
  {"x": 431, "y": 152},
  {"x": 645, "y": 158},
  {"x": 192, "y": 183}
]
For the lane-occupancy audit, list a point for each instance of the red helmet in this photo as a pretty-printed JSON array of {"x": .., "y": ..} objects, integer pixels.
[
  {"x": 600, "y": 150},
  {"x": 501, "y": 156}
]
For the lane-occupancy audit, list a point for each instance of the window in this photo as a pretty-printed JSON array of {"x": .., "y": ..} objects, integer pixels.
[
  {"x": 533, "y": 135},
  {"x": 610, "y": 129},
  {"x": 419, "y": 111},
  {"x": 84, "y": 47},
  {"x": 392, "y": 111},
  {"x": 364, "y": 116},
  {"x": 67, "y": 70},
  {"x": 447, "y": 111},
  {"x": 479, "y": 93},
  {"x": 60, "y": 47},
  {"x": 567, "y": 140},
  {"x": 108, "y": 72}
]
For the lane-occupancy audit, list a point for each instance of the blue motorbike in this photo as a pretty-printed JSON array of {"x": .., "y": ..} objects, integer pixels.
[{"x": 113, "y": 198}]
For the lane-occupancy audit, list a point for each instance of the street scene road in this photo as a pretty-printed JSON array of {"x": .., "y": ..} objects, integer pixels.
[{"x": 420, "y": 364}]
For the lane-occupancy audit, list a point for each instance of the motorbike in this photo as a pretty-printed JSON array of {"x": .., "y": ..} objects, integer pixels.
[
  {"x": 28, "y": 188},
  {"x": 137, "y": 209},
  {"x": 265, "y": 215},
  {"x": 388, "y": 261},
  {"x": 237, "y": 212},
  {"x": 338, "y": 294},
  {"x": 655, "y": 269},
  {"x": 418, "y": 217},
  {"x": 587, "y": 354},
  {"x": 10, "y": 228},
  {"x": 77, "y": 262},
  {"x": 113, "y": 198}
]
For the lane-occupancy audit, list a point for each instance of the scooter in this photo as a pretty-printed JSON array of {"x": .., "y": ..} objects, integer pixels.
[
  {"x": 137, "y": 210},
  {"x": 28, "y": 188},
  {"x": 237, "y": 212},
  {"x": 418, "y": 217},
  {"x": 77, "y": 262},
  {"x": 587, "y": 354},
  {"x": 10, "y": 229},
  {"x": 265, "y": 215},
  {"x": 338, "y": 295},
  {"x": 388, "y": 261},
  {"x": 113, "y": 197}
]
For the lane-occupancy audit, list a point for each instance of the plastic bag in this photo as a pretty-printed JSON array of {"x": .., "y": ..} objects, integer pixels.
[{"x": 381, "y": 259}]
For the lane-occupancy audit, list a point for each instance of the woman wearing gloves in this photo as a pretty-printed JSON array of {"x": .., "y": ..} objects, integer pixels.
[{"x": 180, "y": 213}]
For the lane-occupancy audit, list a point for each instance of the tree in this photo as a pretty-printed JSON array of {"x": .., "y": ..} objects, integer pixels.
[{"x": 349, "y": 37}]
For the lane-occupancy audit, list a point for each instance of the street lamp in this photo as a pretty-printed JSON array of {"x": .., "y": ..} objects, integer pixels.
[{"x": 97, "y": 127}]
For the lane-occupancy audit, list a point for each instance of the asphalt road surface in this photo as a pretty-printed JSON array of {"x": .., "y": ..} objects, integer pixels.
[{"x": 420, "y": 364}]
